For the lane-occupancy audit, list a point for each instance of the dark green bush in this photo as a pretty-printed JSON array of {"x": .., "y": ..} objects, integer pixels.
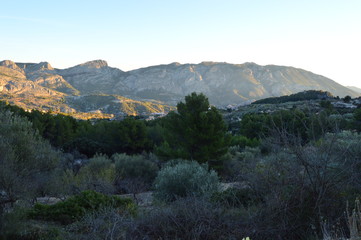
[
  {"x": 242, "y": 141},
  {"x": 16, "y": 226},
  {"x": 234, "y": 197},
  {"x": 77, "y": 206},
  {"x": 136, "y": 166},
  {"x": 97, "y": 175}
]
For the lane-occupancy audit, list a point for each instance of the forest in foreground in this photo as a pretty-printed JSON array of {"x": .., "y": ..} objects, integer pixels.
[{"x": 285, "y": 173}]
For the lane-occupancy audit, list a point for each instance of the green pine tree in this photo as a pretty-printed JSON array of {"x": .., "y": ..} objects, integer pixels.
[{"x": 197, "y": 132}]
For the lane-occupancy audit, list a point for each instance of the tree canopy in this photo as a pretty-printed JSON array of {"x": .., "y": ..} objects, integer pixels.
[{"x": 196, "y": 131}]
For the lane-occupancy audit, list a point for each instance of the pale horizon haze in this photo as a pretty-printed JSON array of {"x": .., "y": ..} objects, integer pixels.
[{"x": 323, "y": 37}]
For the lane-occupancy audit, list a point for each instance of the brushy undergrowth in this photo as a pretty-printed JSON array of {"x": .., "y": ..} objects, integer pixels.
[
  {"x": 75, "y": 207},
  {"x": 186, "y": 178}
]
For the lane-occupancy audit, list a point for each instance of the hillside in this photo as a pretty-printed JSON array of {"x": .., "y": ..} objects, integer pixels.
[
  {"x": 301, "y": 96},
  {"x": 95, "y": 88},
  {"x": 223, "y": 83},
  {"x": 40, "y": 86},
  {"x": 355, "y": 89}
]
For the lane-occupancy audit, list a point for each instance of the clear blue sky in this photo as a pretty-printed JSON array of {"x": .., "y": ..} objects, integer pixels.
[{"x": 317, "y": 35}]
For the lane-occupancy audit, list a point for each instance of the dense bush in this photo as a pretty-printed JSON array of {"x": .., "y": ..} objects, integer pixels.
[
  {"x": 243, "y": 141},
  {"x": 187, "y": 218},
  {"x": 134, "y": 174},
  {"x": 187, "y": 178},
  {"x": 75, "y": 207},
  {"x": 27, "y": 162},
  {"x": 234, "y": 197},
  {"x": 134, "y": 167},
  {"x": 98, "y": 175},
  {"x": 190, "y": 219},
  {"x": 301, "y": 184},
  {"x": 106, "y": 223}
]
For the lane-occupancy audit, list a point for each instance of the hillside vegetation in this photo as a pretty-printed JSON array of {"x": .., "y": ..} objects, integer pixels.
[{"x": 285, "y": 169}]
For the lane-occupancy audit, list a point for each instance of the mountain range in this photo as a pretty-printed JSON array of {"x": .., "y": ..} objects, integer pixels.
[{"x": 95, "y": 88}]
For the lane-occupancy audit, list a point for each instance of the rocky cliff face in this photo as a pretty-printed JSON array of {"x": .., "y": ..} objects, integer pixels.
[
  {"x": 223, "y": 83},
  {"x": 40, "y": 86},
  {"x": 93, "y": 77}
]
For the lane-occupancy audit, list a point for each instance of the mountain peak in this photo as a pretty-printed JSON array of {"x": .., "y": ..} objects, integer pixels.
[
  {"x": 34, "y": 67},
  {"x": 6, "y": 63},
  {"x": 9, "y": 64},
  {"x": 45, "y": 66},
  {"x": 95, "y": 64}
]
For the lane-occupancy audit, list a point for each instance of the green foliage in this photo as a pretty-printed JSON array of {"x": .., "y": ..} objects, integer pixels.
[
  {"x": 357, "y": 120},
  {"x": 58, "y": 129},
  {"x": 295, "y": 180},
  {"x": 301, "y": 96},
  {"x": 187, "y": 178},
  {"x": 75, "y": 207},
  {"x": 189, "y": 218},
  {"x": 196, "y": 132},
  {"x": 109, "y": 137},
  {"x": 234, "y": 197},
  {"x": 347, "y": 99},
  {"x": 12, "y": 224},
  {"x": 242, "y": 141},
  {"x": 254, "y": 125},
  {"x": 103, "y": 136},
  {"x": 104, "y": 223},
  {"x": 27, "y": 161},
  {"x": 98, "y": 175},
  {"x": 326, "y": 104},
  {"x": 305, "y": 126},
  {"x": 135, "y": 166}
]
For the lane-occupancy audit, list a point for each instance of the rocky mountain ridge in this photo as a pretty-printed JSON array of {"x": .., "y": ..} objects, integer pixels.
[
  {"x": 40, "y": 86},
  {"x": 155, "y": 87}
]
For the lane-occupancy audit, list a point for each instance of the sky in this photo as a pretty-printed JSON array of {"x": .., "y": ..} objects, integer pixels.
[{"x": 321, "y": 36}]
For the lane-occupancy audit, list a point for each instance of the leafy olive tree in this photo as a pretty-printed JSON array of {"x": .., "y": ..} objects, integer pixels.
[{"x": 27, "y": 161}]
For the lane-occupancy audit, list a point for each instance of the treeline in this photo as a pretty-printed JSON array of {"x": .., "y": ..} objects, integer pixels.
[
  {"x": 196, "y": 132},
  {"x": 292, "y": 172},
  {"x": 301, "y": 96},
  {"x": 129, "y": 136},
  {"x": 306, "y": 125},
  {"x": 185, "y": 134}
]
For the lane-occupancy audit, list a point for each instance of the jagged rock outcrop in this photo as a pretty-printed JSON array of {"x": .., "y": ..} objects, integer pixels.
[
  {"x": 93, "y": 77},
  {"x": 11, "y": 65}
]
